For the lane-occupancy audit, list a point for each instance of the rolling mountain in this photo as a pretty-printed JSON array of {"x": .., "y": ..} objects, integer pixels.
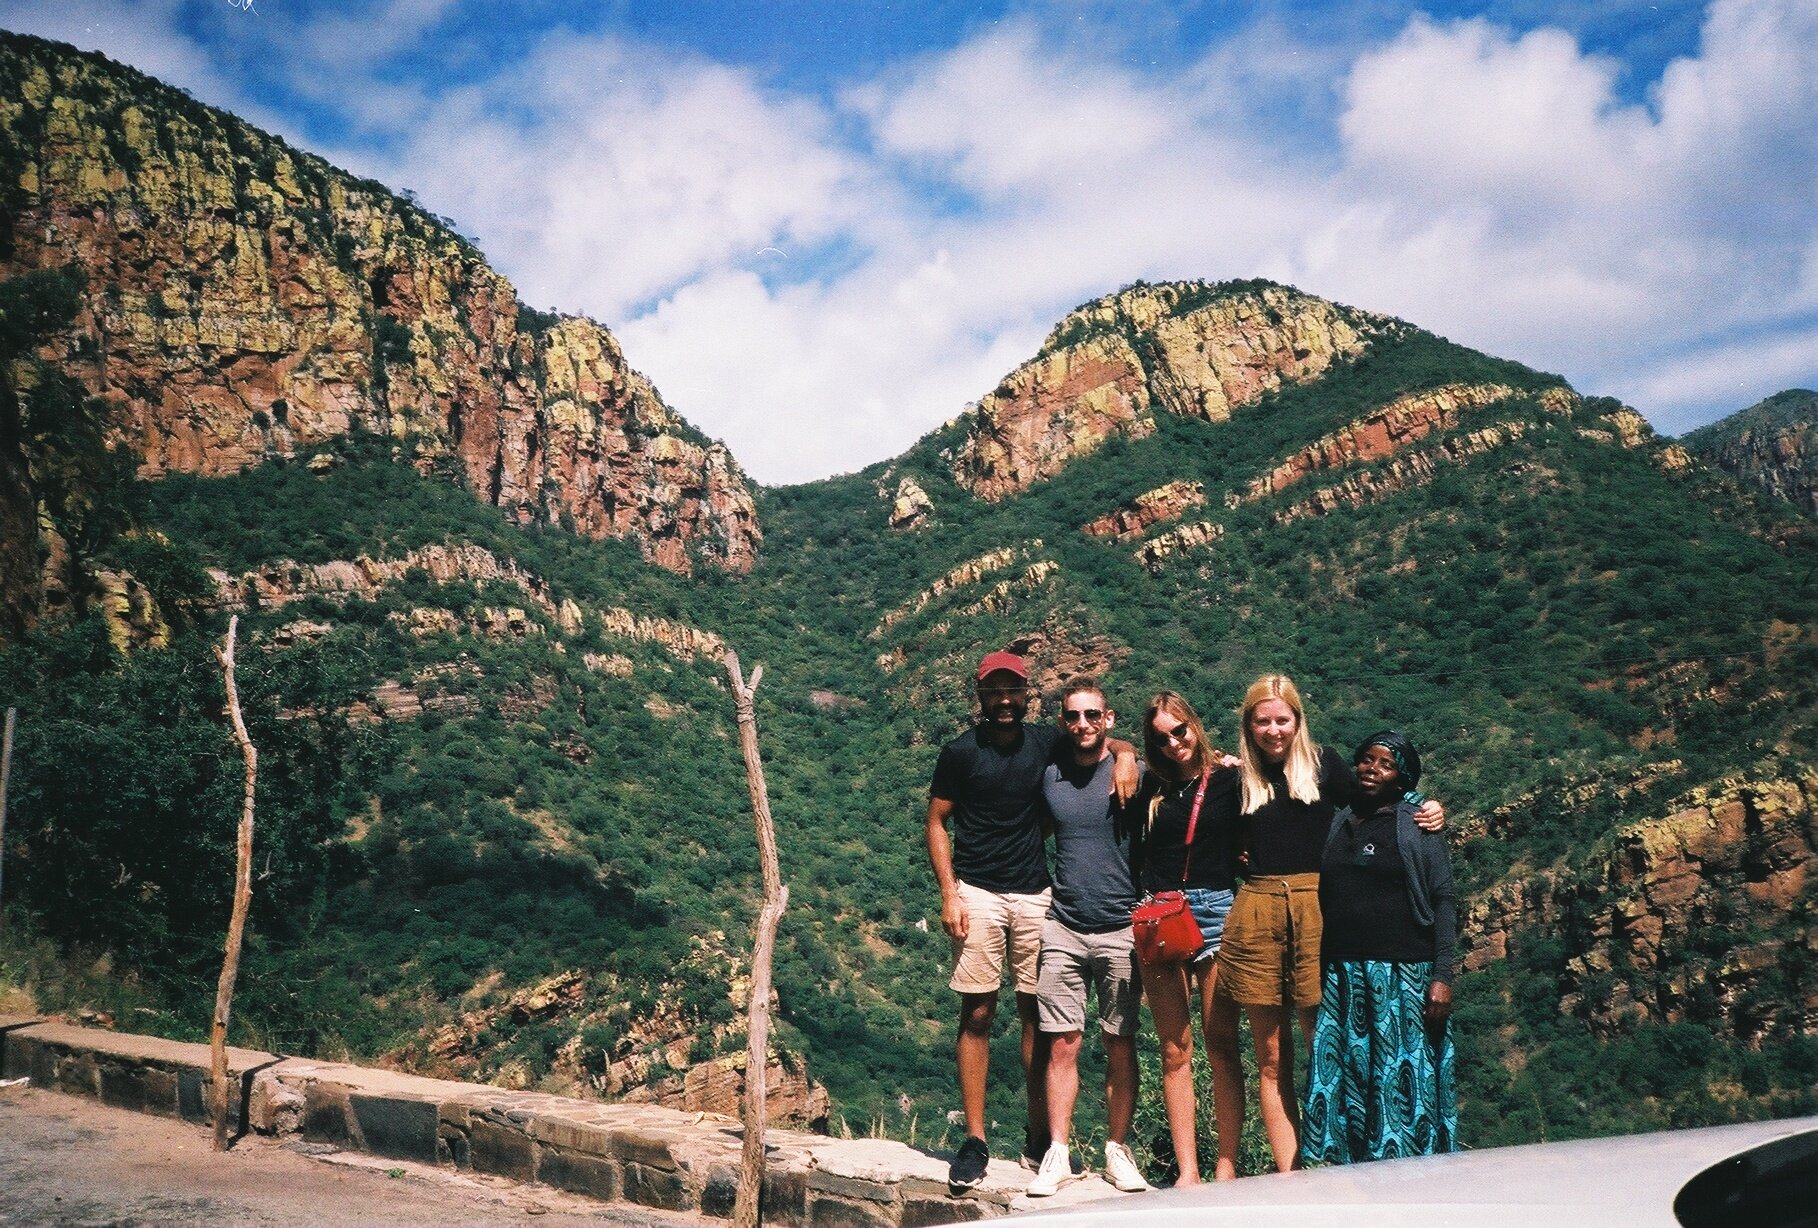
[
  {"x": 1772, "y": 445},
  {"x": 485, "y": 579}
]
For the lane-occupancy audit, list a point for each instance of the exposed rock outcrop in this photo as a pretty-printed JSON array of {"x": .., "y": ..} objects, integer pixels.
[
  {"x": 1060, "y": 650},
  {"x": 133, "y": 619},
  {"x": 911, "y": 508},
  {"x": 678, "y": 639},
  {"x": 278, "y": 583},
  {"x": 969, "y": 572},
  {"x": 1731, "y": 864},
  {"x": 1150, "y": 508},
  {"x": 1200, "y": 533},
  {"x": 655, "y": 1060},
  {"x": 247, "y": 301},
  {"x": 1404, "y": 471},
  {"x": 1187, "y": 348},
  {"x": 282, "y": 581},
  {"x": 1379, "y": 434},
  {"x": 1772, "y": 445}
]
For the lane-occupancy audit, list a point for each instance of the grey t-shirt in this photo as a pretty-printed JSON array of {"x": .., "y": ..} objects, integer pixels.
[{"x": 1094, "y": 890}]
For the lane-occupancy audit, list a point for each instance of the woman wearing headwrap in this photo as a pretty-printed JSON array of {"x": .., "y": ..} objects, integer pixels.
[{"x": 1381, "y": 1078}]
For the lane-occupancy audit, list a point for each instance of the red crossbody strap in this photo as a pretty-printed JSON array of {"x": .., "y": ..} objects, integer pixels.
[{"x": 1205, "y": 778}]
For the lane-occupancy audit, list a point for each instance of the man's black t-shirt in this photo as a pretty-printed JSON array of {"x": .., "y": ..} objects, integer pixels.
[{"x": 997, "y": 807}]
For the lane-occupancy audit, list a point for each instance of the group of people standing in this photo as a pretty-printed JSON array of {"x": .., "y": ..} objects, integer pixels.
[{"x": 1321, "y": 889}]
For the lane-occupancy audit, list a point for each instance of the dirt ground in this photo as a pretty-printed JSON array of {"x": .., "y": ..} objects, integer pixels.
[{"x": 71, "y": 1160}]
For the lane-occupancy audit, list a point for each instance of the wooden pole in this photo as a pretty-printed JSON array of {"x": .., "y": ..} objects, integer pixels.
[
  {"x": 6, "y": 775},
  {"x": 236, "y": 926},
  {"x": 746, "y": 1204}
]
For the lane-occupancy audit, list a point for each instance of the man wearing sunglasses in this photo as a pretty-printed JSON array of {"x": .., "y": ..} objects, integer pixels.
[
  {"x": 1087, "y": 945},
  {"x": 993, "y": 875}
]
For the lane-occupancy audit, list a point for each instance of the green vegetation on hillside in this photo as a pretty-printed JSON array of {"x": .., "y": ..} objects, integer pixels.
[
  {"x": 1538, "y": 615},
  {"x": 462, "y": 794}
]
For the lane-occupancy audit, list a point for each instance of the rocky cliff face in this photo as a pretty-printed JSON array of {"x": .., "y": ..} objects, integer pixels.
[
  {"x": 1186, "y": 348},
  {"x": 1686, "y": 912},
  {"x": 1773, "y": 445},
  {"x": 247, "y": 301},
  {"x": 1150, "y": 508}
]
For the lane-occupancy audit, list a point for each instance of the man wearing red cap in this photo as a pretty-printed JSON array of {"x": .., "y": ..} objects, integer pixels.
[{"x": 993, "y": 876}]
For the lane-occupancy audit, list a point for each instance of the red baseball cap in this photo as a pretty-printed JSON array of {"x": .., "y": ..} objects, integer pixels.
[{"x": 1003, "y": 660}]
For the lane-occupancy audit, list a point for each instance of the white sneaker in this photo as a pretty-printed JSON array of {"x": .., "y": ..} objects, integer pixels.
[
  {"x": 1120, "y": 1169},
  {"x": 1056, "y": 1171}
]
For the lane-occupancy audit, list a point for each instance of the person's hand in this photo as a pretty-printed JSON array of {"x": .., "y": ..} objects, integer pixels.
[
  {"x": 1225, "y": 760},
  {"x": 1125, "y": 777},
  {"x": 1431, "y": 816},
  {"x": 1439, "y": 1004},
  {"x": 954, "y": 918}
]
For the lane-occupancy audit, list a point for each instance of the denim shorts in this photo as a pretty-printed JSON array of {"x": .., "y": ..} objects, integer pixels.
[{"x": 1209, "y": 909}]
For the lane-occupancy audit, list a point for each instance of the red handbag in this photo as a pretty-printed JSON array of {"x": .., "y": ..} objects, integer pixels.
[{"x": 1163, "y": 923}]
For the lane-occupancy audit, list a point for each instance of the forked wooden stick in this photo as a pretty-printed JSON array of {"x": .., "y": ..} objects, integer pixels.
[{"x": 746, "y": 1204}]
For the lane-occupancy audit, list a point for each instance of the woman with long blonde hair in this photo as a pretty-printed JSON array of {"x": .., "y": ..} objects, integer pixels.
[
  {"x": 1269, "y": 961},
  {"x": 1189, "y": 844}
]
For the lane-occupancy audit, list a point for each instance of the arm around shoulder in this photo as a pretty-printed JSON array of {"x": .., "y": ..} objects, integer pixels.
[{"x": 1126, "y": 775}]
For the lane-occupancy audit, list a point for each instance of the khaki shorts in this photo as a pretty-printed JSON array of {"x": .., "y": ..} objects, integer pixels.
[
  {"x": 1271, "y": 949},
  {"x": 1072, "y": 962},
  {"x": 1000, "y": 922}
]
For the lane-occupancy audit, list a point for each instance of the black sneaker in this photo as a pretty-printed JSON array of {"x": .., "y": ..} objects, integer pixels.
[{"x": 968, "y": 1168}]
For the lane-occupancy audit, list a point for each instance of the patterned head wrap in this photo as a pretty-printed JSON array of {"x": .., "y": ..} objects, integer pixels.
[{"x": 1407, "y": 759}]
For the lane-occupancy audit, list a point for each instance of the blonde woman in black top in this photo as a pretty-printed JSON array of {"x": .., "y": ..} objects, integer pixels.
[{"x": 1269, "y": 962}]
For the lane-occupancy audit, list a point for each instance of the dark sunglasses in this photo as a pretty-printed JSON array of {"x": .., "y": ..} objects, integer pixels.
[
  {"x": 1178, "y": 733},
  {"x": 1089, "y": 716}
]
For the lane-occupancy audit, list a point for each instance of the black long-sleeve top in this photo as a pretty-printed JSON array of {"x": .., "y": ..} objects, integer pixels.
[
  {"x": 1288, "y": 836},
  {"x": 1163, "y": 852}
]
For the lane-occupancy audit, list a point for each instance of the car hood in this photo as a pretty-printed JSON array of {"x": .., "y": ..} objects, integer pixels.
[{"x": 1614, "y": 1182}]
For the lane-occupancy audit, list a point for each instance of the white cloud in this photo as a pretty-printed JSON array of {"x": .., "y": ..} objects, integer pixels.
[
  {"x": 601, "y": 173},
  {"x": 1676, "y": 395},
  {"x": 820, "y": 281},
  {"x": 1005, "y": 117},
  {"x": 1467, "y": 108},
  {"x": 1507, "y": 199}
]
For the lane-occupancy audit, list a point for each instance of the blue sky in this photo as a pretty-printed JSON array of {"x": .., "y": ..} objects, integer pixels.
[{"x": 823, "y": 229}]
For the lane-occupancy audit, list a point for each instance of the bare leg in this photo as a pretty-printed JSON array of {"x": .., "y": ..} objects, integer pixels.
[
  {"x": 1306, "y": 1016},
  {"x": 1035, "y": 1068},
  {"x": 1218, "y": 1014},
  {"x": 972, "y": 1054},
  {"x": 1166, "y": 987},
  {"x": 1120, "y": 1086},
  {"x": 1063, "y": 1083},
  {"x": 1269, "y": 1028}
]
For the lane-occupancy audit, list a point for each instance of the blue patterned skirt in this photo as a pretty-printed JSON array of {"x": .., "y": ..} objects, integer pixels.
[{"x": 1379, "y": 1086}]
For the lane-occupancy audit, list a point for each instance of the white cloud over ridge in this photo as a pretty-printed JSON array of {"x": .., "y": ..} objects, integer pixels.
[{"x": 820, "y": 280}]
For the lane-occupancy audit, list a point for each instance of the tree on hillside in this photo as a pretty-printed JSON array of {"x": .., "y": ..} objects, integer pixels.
[{"x": 56, "y": 466}]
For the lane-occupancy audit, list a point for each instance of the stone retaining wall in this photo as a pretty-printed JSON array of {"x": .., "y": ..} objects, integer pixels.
[{"x": 632, "y": 1153}]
